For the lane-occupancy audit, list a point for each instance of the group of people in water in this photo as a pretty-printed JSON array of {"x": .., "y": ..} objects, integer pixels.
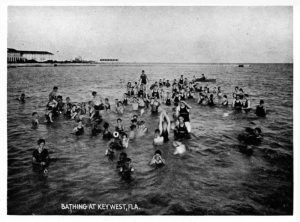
[{"x": 140, "y": 97}]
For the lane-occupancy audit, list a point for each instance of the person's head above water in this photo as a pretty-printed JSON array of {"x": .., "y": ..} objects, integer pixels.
[
  {"x": 55, "y": 88},
  {"x": 132, "y": 127},
  {"x": 261, "y": 102},
  {"x": 41, "y": 143},
  {"x": 182, "y": 104},
  {"x": 119, "y": 120},
  {"x": 94, "y": 93},
  {"x": 34, "y": 114},
  {"x": 181, "y": 119},
  {"x": 157, "y": 152}
]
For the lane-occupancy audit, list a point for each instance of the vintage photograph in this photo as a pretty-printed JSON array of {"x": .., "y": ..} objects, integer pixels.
[{"x": 150, "y": 110}]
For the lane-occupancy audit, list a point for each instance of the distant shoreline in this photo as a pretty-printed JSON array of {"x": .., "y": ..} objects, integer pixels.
[{"x": 16, "y": 65}]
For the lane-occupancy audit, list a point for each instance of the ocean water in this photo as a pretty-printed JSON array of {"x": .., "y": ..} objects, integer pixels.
[{"x": 214, "y": 178}]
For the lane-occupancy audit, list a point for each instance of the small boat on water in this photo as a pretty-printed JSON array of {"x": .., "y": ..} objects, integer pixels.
[
  {"x": 240, "y": 65},
  {"x": 205, "y": 80}
]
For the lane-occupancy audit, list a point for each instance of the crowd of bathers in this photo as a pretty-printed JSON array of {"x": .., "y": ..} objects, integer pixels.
[{"x": 142, "y": 98}]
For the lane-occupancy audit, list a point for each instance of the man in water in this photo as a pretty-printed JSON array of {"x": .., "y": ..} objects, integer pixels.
[{"x": 143, "y": 78}]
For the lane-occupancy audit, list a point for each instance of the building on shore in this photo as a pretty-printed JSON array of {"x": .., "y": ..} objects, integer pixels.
[
  {"x": 14, "y": 55},
  {"x": 109, "y": 60}
]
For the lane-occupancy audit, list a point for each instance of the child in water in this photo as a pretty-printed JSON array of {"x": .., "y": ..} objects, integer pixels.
[
  {"x": 157, "y": 159},
  {"x": 35, "y": 120}
]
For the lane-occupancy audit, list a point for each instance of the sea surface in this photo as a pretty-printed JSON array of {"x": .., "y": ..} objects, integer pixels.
[{"x": 212, "y": 178}]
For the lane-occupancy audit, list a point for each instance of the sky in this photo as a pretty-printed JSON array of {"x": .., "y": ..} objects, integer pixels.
[{"x": 197, "y": 34}]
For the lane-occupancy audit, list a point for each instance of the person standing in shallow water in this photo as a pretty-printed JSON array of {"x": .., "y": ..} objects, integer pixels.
[
  {"x": 40, "y": 156},
  {"x": 144, "y": 78},
  {"x": 260, "y": 109},
  {"x": 52, "y": 95}
]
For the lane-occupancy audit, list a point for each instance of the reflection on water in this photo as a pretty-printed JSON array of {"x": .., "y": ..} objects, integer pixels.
[{"x": 213, "y": 178}]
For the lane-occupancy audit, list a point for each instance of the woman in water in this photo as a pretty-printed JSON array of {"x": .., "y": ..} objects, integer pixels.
[
  {"x": 181, "y": 130},
  {"x": 164, "y": 126},
  {"x": 78, "y": 130},
  {"x": 260, "y": 109},
  {"x": 183, "y": 110},
  {"x": 40, "y": 156}
]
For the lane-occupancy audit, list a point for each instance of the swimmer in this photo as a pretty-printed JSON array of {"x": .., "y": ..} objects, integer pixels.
[
  {"x": 211, "y": 100},
  {"x": 40, "y": 156},
  {"x": 237, "y": 103},
  {"x": 107, "y": 105},
  {"x": 110, "y": 153},
  {"x": 67, "y": 107},
  {"x": 225, "y": 101},
  {"x": 157, "y": 159},
  {"x": 219, "y": 92},
  {"x": 106, "y": 133},
  {"x": 125, "y": 99},
  {"x": 181, "y": 130},
  {"x": 154, "y": 105},
  {"x": 115, "y": 142},
  {"x": 251, "y": 136},
  {"x": 120, "y": 108},
  {"x": 52, "y": 94},
  {"x": 126, "y": 169},
  {"x": 122, "y": 159},
  {"x": 141, "y": 104},
  {"x": 141, "y": 129},
  {"x": 260, "y": 109},
  {"x": 35, "y": 120},
  {"x": 125, "y": 140},
  {"x": 183, "y": 110},
  {"x": 135, "y": 104},
  {"x": 158, "y": 139},
  {"x": 60, "y": 104},
  {"x": 22, "y": 98},
  {"x": 78, "y": 130},
  {"x": 132, "y": 132},
  {"x": 119, "y": 128},
  {"x": 164, "y": 126},
  {"x": 168, "y": 99},
  {"x": 246, "y": 104},
  {"x": 179, "y": 148}
]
